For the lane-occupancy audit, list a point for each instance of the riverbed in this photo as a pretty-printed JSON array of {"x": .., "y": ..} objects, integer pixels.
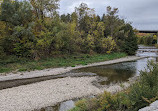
[
  {"x": 51, "y": 92},
  {"x": 108, "y": 75}
]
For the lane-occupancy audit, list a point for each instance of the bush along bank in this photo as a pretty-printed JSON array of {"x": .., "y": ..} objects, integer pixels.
[{"x": 147, "y": 39}]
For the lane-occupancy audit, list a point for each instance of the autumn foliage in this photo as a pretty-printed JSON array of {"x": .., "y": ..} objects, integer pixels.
[{"x": 34, "y": 29}]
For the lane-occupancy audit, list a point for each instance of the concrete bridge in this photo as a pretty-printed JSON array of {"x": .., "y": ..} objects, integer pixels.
[{"x": 148, "y": 31}]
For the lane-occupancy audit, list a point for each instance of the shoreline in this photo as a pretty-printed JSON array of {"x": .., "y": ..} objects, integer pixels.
[
  {"x": 58, "y": 71},
  {"x": 51, "y": 92}
]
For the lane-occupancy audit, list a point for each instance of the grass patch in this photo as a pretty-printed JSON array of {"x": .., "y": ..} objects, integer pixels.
[
  {"x": 2, "y": 69},
  {"x": 12, "y": 63}
]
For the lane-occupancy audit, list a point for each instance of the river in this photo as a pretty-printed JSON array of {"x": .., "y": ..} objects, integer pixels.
[{"x": 112, "y": 74}]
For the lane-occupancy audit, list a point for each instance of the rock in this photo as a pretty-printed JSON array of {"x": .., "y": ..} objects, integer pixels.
[
  {"x": 152, "y": 107},
  {"x": 65, "y": 106}
]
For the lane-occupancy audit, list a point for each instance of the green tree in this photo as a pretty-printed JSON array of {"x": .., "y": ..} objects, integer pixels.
[
  {"x": 112, "y": 21},
  {"x": 23, "y": 40},
  {"x": 19, "y": 21},
  {"x": 74, "y": 17},
  {"x": 16, "y": 13},
  {"x": 44, "y": 8},
  {"x": 84, "y": 14},
  {"x": 35, "y": 29},
  {"x": 98, "y": 18},
  {"x": 99, "y": 34},
  {"x": 66, "y": 18},
  {"x": 63, "y": 17},
  {"x": 129, "y": 45}
]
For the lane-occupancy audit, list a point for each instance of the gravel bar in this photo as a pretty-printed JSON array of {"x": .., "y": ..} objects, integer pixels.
[
  {"x": 50, "y": 92},
  {"x": 47, "y": 93}
]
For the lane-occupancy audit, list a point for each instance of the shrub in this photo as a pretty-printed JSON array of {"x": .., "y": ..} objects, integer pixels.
[
  {"x": 140, "y": 40},
  {"x": 108, "y": 45},
  {"x": 146, "y": 89},
  {"x": 148, "y": 39}
]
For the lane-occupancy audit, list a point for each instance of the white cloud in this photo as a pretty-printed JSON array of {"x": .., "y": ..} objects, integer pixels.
[{"x": 143, "y": 13}]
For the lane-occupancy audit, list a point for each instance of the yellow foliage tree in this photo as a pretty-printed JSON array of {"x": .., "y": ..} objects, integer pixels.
[{"x": 108, "y": 45}]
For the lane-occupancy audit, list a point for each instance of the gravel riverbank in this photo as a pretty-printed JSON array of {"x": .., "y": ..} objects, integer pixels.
[
  {"x": 51, "y": 92},
  {"x": 47, "y": 93},
  {"x": 56, "y": 71}
]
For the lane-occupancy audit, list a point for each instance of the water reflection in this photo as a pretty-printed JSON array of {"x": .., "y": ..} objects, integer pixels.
[
  {"x": 64, "y": 106},
  {"x": 117, "y": 73},
  {"x": 114, "y": 73},
  {"x": 121, "y": 72}
]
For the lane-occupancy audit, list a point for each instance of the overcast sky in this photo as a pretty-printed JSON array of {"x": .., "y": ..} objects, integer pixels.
[{"x": 142, "y": 13}]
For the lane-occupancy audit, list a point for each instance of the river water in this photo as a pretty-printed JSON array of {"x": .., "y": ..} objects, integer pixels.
[{"x": 113, "y": 74}]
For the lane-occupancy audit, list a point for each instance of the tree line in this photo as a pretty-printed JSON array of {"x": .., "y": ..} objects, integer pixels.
[{"x": 34, "y": 29}]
